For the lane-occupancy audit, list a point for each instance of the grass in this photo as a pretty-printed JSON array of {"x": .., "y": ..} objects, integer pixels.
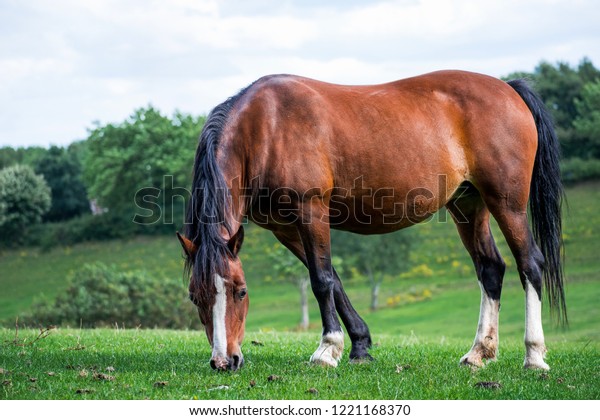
[{"x": 130, "y": 364}]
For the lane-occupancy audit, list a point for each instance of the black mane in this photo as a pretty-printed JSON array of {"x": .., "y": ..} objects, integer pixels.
[{"x": 210, "y": 200}]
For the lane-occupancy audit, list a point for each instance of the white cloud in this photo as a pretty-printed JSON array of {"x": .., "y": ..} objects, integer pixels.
[
  {"x": 69, "y": 62},
  {"x": 427, "y": 19}
]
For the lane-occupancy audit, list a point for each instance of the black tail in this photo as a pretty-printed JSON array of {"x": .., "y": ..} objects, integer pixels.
[{"x": 545, "y": 200}]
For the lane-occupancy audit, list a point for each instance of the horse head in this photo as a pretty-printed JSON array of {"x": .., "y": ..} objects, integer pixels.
[{"x": 222, "y": 303}]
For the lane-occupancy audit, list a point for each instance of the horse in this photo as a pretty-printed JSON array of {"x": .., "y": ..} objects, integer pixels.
[{"x": 300, "y": 157}]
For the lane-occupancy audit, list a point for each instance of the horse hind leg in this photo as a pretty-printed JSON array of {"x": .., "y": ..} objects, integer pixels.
[
  {"x": 530, "y": 262},
  {"x": 472, "y": 221}
]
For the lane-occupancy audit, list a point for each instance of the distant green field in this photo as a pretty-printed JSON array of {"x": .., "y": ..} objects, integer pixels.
[
  {"x": 155, "y": 364},
  {"x": 442, "y": 272}
]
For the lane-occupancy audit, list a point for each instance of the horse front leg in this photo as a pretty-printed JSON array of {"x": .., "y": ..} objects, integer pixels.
[
  {"x": 331, "y": 348},
  {"x": 315, "y": 237},
  {"x": 355, "y": 325}
]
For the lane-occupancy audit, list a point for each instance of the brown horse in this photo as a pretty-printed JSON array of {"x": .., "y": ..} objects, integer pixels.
[{"x": 299, "y": 157}]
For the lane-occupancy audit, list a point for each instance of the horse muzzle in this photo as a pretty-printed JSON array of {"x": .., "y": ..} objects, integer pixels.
[{"x": 235, "y": 362}]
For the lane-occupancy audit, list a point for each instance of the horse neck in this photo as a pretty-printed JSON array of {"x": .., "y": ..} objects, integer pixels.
[
  {"x": 239, "y": 201},
  {"x": 235, "y": 217}
]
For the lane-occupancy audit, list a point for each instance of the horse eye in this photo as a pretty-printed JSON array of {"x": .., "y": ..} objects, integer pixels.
[{"x": 243, "y": 293}]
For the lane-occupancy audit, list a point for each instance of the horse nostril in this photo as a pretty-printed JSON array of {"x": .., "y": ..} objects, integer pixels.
[
  {"x": 237, "y": 362},
  {"x": 234, "y": 363},
  {"x": 220, "y": 364}
]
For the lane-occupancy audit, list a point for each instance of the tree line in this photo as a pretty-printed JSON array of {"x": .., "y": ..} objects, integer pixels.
[
  {"x": 572, "y": 95},
  {"x": 102, "y": 175}
]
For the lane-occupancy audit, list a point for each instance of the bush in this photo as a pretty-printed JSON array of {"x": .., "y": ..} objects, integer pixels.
[
  {"x": 577, "y": 170},
  {"x": 86, "y": 228},
  {"x": 99, "y": 295},
  {"x": 24, "y": 199}
]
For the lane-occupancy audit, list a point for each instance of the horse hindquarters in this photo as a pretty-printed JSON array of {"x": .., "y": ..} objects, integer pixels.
[
  {"x": 525, "y": 170},
  {"x": 538, "y": 254}
]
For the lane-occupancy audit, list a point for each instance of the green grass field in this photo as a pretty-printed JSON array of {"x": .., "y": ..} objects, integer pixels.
[
  {"x": 429, "y": 334},
  {"x": 155, "y": 364}
]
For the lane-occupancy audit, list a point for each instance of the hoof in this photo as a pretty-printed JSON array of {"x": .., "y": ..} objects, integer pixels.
[
  {"x": 359, "y": 360},
  {"x": 535, "y": 356},
  {"x": 475, "y": 360},
  {"x": 478, "y": 355},
  {"x": 330, "y": 350},
  {"x": 360, "y": 350},
  {"x": 535, "y": 361},
  {"x": 471, "y": 361},
  {"x": 324, "y": 360},
  {"x": 536, "y": 365}
]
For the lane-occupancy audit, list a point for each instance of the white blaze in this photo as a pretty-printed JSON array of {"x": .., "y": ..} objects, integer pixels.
[{"x": 218, "y": 313}]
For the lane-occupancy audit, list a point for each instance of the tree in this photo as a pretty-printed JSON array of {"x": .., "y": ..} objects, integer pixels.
[
  {"x": 21, "y": 155},
  {"x": 8, "y": 157},
  {"x": 375, "y": 256},
  {"x": 62, "y": 171},
  {"x": 24, "y": 199},
  {"x": 587, "y": 71},
  {"x": 138, "y": 154},
  {"x": 561, "y": 86},
  {"x": 587, "y": 122},
  {"x": 288, "y": 267}
]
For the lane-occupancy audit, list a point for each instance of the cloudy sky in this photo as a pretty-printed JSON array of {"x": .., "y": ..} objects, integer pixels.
[{"x": 67, "y": 63}]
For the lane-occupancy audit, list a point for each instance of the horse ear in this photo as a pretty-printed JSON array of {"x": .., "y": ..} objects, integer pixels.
[
  {"x": 235, "y": 243},
  {"x": 187, "y": 245}
]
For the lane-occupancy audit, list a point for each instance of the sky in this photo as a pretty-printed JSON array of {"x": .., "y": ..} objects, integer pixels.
[{"x": 66, "y": 64}]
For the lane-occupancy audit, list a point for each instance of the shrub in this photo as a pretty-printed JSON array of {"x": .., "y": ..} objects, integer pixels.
[
  {"x": 104, "y": 227},
  {"x": 577, "y": 170},
  {"x": 99, "y": 295},
  {"x": 24, "y": 199}
]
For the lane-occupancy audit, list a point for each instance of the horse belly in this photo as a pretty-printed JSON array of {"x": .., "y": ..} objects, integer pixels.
[{"x": 383, "y": 209}]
